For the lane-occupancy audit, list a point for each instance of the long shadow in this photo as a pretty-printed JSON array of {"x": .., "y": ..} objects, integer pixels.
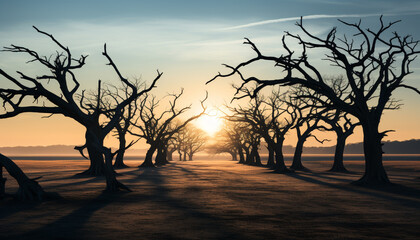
[
  {"x": 392, "y": 188},
  {"x": 370, "y": 191},
  {"x": 76, "y": 219},
  {"x": 10, "y": 206},
  {"x": 162, "y": 195},
  {"x": 93, "y": 179}
]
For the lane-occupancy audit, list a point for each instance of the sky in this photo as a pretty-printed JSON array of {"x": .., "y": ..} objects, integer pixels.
[{"x": 187, "y": 41}]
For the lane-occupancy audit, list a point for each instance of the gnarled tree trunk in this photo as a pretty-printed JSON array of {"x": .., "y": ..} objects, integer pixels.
[
  {"x": 119, "y": 159},
  {"x": 270, "y": 160},
  {"x": 374, "y": 170},
  {"x": 148, "y": 159},
  {"x": 241, "y": 155},
  {"x": 97, "y": 165},
  {"x": 280, "y": 166},
  {"x": 112, "y": 184},
  {"x": 29, "y": 189},
  {"x": 169, "y": 154},
  {"x": 160, "y": 157},
  {"x": 338, "y": 165},
  {"x": 248, "y": 156},
  {"x": 297, "y": 157}
]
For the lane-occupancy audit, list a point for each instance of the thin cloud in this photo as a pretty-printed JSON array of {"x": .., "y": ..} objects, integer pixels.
[{"x": 319, "y": 16}]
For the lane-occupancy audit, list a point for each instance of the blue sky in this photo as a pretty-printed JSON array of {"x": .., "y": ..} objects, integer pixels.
[{"x": 187, "y": 40}]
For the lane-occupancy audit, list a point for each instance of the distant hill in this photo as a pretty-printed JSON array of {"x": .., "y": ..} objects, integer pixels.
[
  {"x": 390, "y": 147},
  {"x": 56, "y": 150}
]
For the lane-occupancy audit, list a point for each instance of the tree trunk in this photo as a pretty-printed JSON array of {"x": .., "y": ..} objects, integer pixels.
[
  {"x": 270, "y": 160},
  {"x": 119, "y": 159},
  {"x": 280, "y": 166},
  {"x": 257, "y": 158},
  {"x": 374, "y": 171},
  {"x": 148, "y": 159},
  {"x": 338, "y": 165},
  {"x": 190, "y": 157},
  {"x": 165, "y": 154},
  {"x": 241, "y": 155},
  {"x": 248, "y": 156},
  {"x": 97, "y": 165},
  {"x": 234, "y": 157},
  {"x": 29, "y": 189},
  {"x": 297, "y": 157},
  {"x": 169, "y": 155},
  {"x": 112, "y": 184},
  {"x": 2, "y": 183},
  {"x": 160, "y": 157},
  {"x": 185, "y": 156}
]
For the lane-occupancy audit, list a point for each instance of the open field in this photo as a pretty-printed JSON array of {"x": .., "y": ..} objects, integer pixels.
[{"x": 216, "y": 199}]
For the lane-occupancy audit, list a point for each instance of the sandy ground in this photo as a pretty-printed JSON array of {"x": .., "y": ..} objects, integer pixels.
[{"x": 216, "y": 199}]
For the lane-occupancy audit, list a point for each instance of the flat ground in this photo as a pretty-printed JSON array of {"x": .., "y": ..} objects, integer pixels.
[{"x": 216, "y": 199}]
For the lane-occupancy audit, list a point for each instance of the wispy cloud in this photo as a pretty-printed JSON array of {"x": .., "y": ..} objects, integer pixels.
[{"x": 318, "y": 16}]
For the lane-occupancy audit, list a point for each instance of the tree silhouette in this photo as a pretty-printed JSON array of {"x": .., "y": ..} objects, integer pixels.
[
  {"x": 194, "y": 140},
  {"x": 29, "y": 189},
  {"x": 374, "y": 65},
  {"x": 308, "y": 119},
  {"x": 156, "y": 128},
  {"x": 343, "y": 127},
  {"x": 113, "y": 96},
  {"x": 62, "y": 100}
]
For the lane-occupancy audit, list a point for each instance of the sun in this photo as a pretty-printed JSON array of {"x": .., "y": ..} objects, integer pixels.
[{"x": 209, "y": 123}]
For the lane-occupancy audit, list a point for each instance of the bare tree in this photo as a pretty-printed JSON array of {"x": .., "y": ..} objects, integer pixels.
[
  {"x": 309, "y": 116},
  {"x": 256, "y": 114},
  {"x": 154, "y": 127},
  {"x": 194, "y": 140},
  {"x": 62, "y": 101},
  {"x": 234, "y": 134},
  {"x": 29, "y": 189},
  {"x": 343, "y": 127},
  {"x": 283, "y": 117},
  {"x": 374, "y": 65},
  {"x": 113, "y": 96}
]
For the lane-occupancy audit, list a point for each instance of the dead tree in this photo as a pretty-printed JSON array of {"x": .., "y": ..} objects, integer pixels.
[
  {"x": 194, "y": 141},
  {"x": 256, "y": 114},
  {"x": 283, "y": 118},
  {"x": 343, "y": 127},
  {"x": 154, "y": 128},
  {"x": 309, "y": 116},
  {"x": 374, "y": 65},
  {"x": 171, "y": 147},
  {"x": 29, "y": 189},
  {"x": 227, "y": 141},
  {"x": 62, "y": 100},
  {"x": 113, "y": 96}
]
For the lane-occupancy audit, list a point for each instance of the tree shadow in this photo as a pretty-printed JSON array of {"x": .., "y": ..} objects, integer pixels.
[
  {"x": 74, "y": 220},
  {"x": 393, "y": 192},
  {"x": 188, "y": 209}
]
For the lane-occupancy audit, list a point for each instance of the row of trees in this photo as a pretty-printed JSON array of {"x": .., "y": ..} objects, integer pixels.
[
  {"x": 127, "y": 108},
  {"x": 372, "y": 63},
  {"x": 274, "y": 117}
]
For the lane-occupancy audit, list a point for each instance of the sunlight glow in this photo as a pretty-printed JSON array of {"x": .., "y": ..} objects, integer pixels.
[{"x": 210, "y": 123}]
